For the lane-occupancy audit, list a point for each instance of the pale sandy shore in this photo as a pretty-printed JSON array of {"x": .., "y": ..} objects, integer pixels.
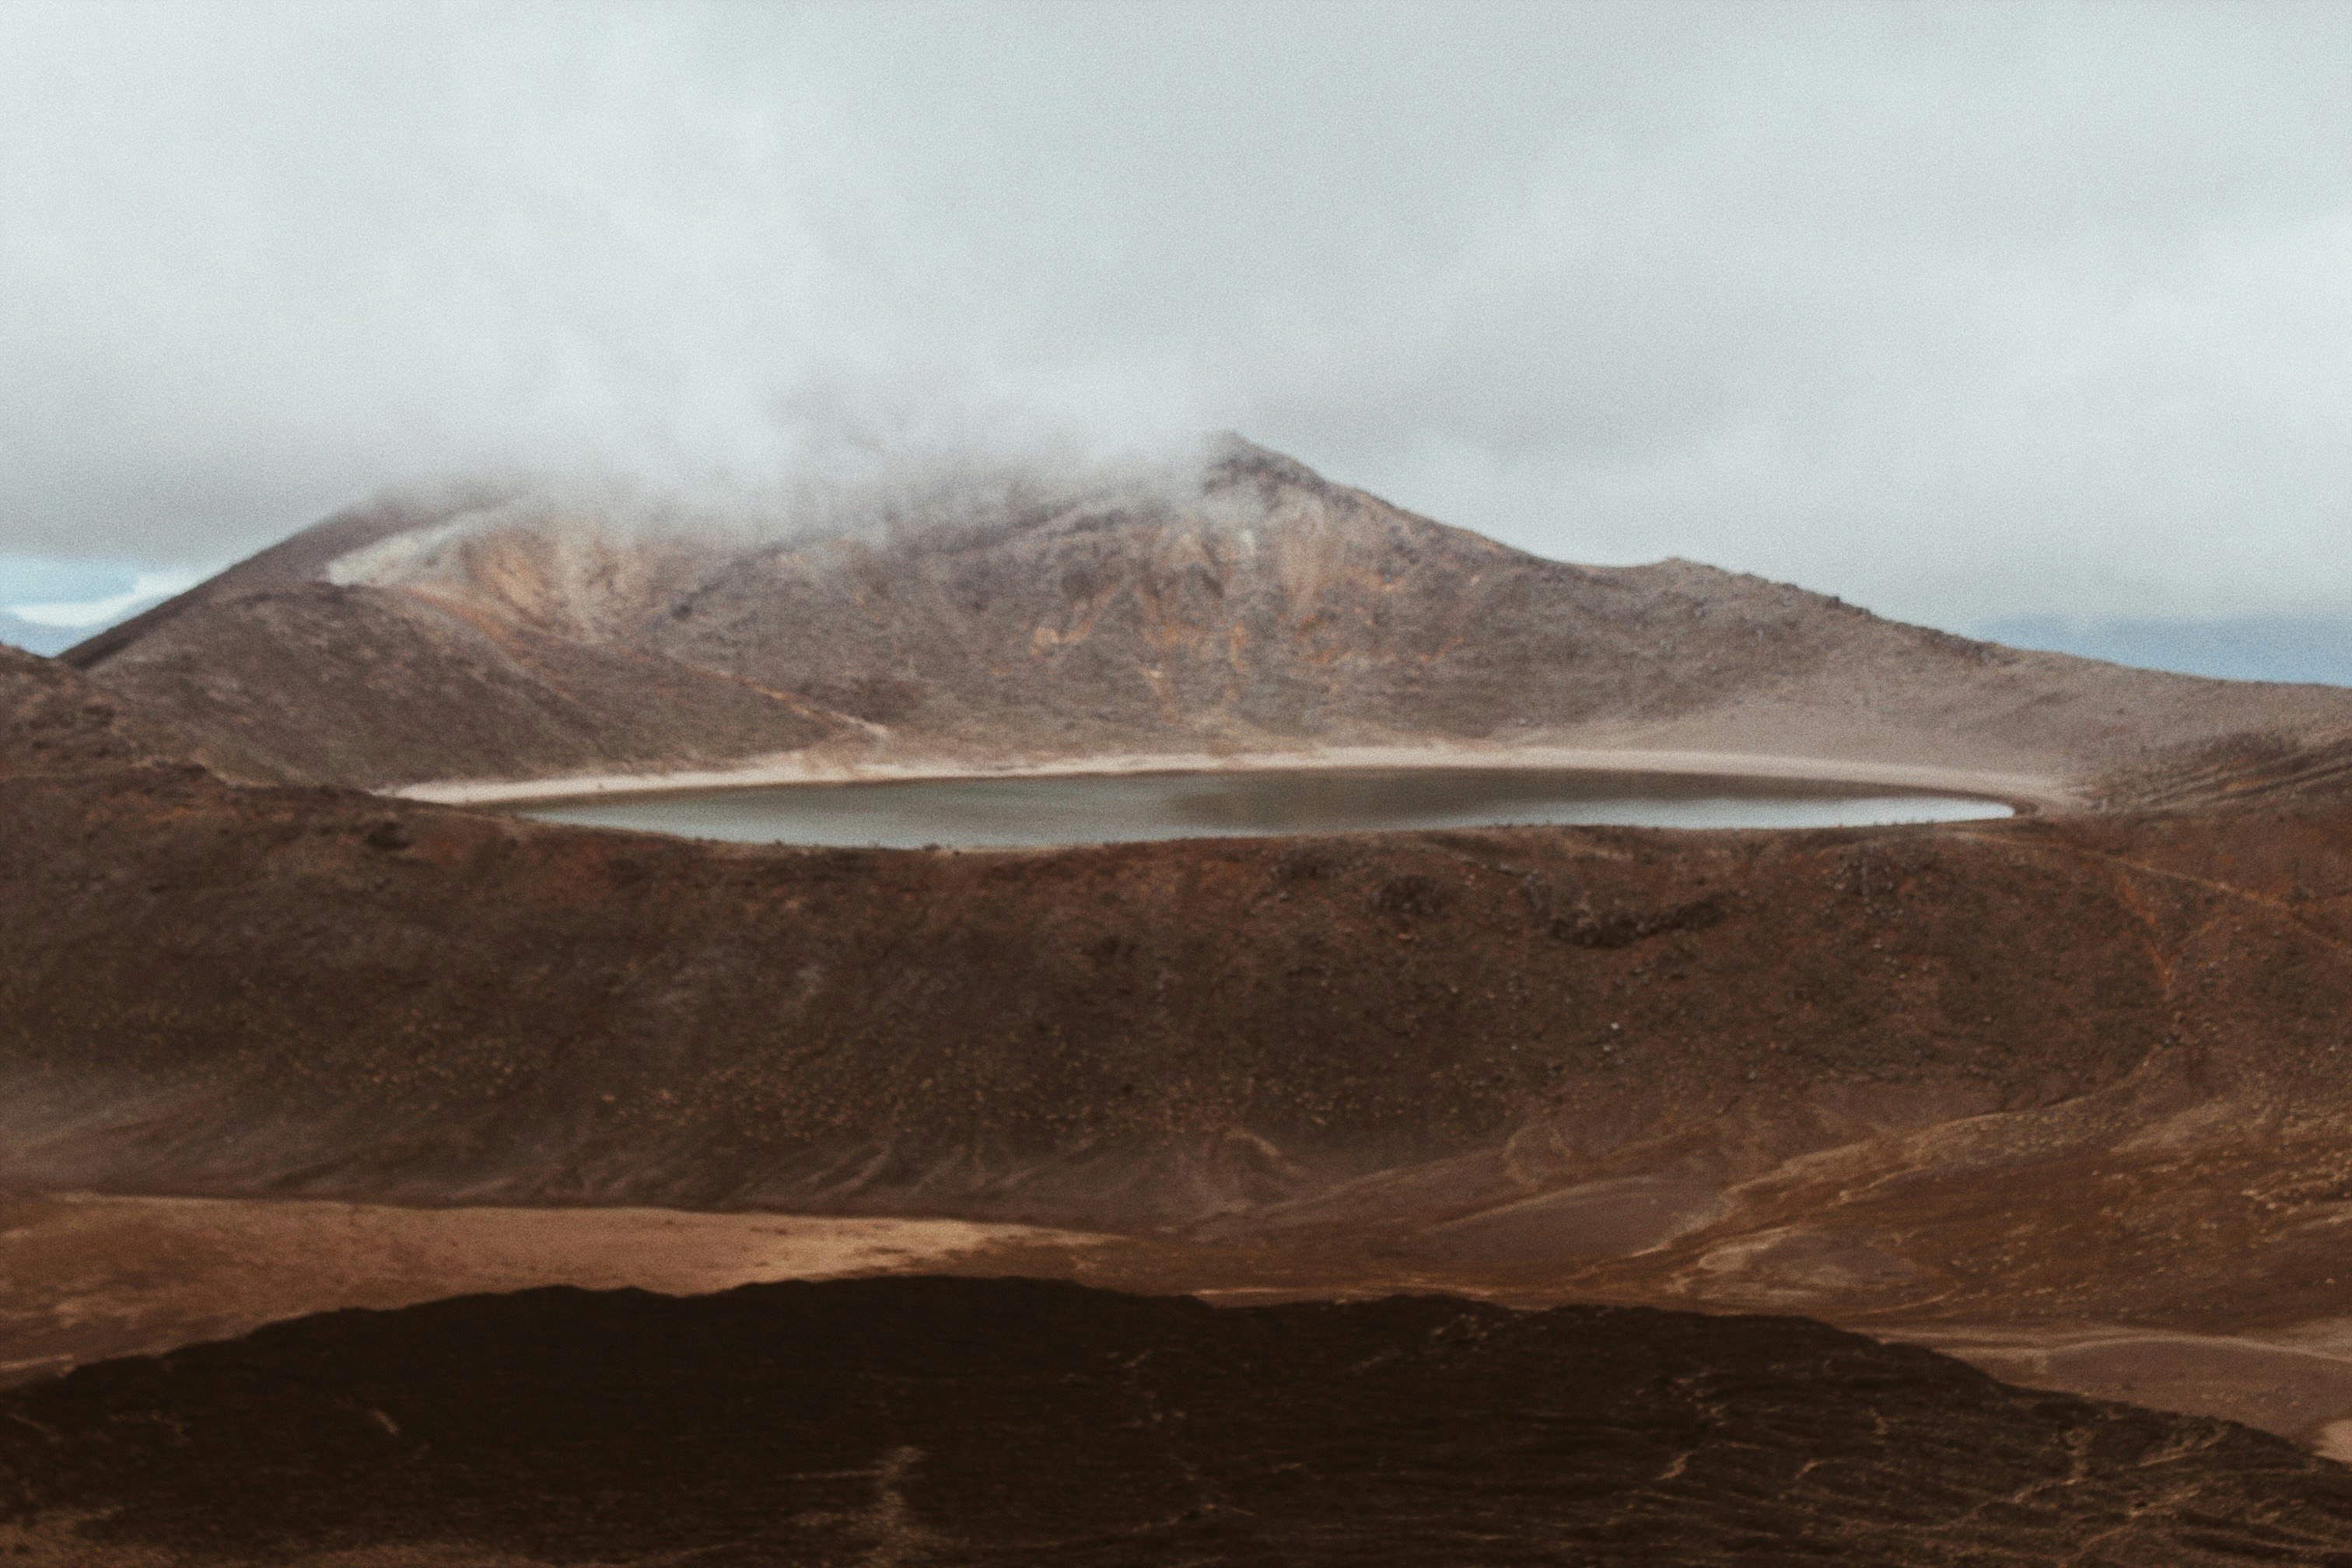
[
  {"x": 2030, "y": 790},
  {"x": 83, "y": 1278}
]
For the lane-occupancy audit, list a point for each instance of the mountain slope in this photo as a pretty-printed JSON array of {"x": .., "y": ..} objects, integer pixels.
[
  {"x": 2078, "y": 1076},
  {"x": 1255, "y": 606},
  {"x": 57, "y": 724},
  {"x": 1458, "y": 1047}
]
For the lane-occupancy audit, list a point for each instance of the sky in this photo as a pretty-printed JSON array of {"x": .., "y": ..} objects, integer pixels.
[{"x": 2019, "y": 313}]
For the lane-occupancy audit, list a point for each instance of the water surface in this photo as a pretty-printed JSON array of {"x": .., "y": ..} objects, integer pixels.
[{"x": 1096, "y": 810}]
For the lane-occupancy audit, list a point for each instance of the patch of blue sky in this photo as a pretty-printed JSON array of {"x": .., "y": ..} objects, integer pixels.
[
  {"x": 47, "y": 641},
  {"x": 2240, "y": 647},
  {"x": 44, "y": 579},
  {"x": 48, "y": 603}
]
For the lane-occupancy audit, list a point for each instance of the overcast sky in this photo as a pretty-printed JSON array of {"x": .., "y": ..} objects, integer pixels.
[{"x": 1959, "y": 313}]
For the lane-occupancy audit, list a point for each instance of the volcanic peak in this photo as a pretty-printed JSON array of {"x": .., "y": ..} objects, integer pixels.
[{"x": 1245, "y": 605}]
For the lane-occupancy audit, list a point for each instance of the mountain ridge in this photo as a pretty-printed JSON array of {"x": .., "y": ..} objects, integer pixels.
[{"x": 1253, "y": 606}]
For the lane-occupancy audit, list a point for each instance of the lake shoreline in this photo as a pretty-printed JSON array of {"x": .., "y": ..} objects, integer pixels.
[
  {"x": 1063, "y": 810},
  {"x": 2023, "y": 792}
]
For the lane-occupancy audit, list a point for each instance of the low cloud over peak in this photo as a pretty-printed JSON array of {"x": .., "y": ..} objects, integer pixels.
[{"x": 1956, "y": 311}]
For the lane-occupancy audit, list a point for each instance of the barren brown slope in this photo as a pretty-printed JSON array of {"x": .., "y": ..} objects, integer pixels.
[
  {"x": 960, "y": 1421},
  {"x": 311, "y": 993},
  {"x": 334, "y": 683},
  {"x": 1255, "y": 608},
  {"x": 56, "y": 724},
  {"x": 1396, "y": 1042},
  {"x": 2079, "y": 1073}
]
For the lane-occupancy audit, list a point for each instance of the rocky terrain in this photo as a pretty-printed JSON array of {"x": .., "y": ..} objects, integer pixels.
[
  {"x": 56, "y": 725},
  {"x": 1249, "y": 606},
  {"x": 2069, "y": 1095},
  {"x": 2079, "y": 1079},
  {"x": 306, "y": 991},
  {"x": 938, "y": 1421}
]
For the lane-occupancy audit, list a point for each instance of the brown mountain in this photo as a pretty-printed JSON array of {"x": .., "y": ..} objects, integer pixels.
[{"x": 1252, "y": 606}]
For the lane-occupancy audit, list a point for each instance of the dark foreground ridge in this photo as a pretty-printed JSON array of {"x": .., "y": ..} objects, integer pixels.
[{"x": 955, "y": 1421}]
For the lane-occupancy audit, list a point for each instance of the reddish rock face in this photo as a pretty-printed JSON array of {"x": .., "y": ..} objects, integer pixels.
[{"x": 968, "y": 1421}]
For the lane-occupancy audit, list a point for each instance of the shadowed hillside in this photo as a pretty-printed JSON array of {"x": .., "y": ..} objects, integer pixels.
[{"x": 959, "y": 1422}]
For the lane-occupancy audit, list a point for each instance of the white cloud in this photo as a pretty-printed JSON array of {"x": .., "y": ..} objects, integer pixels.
[{"x": 1955, "y": 310}]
